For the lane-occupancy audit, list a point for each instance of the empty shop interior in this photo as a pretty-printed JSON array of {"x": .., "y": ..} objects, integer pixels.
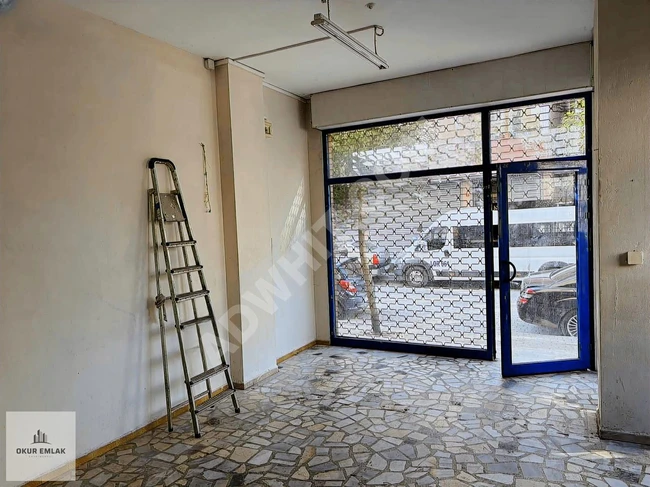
[{"x": 234, "y": 253}]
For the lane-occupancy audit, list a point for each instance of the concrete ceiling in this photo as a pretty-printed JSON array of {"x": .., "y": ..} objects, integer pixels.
[{"x": 420, "y": 35}]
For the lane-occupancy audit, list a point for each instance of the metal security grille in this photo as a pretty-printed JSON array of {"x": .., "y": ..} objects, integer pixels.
[
  {"x": 412, "y": 220},
  {"x": 406, "y": 147},
  {"x": 409, "y": 259}
]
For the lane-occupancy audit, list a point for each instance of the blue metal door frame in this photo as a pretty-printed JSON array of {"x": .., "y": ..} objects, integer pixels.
[{"x": 583, "y": 263}]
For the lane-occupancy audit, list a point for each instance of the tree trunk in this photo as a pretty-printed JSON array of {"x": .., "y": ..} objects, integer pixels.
[{"x": 365, "y": 264}]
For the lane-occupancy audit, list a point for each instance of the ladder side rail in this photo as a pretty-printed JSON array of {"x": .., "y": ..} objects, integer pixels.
[
  {"x": 195, "y": 313},
  {"x": 172, "y": 292},
  {"x": 161, "y": 321}
]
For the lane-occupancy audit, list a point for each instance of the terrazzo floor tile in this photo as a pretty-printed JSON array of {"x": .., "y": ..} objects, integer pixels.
[{"x": 338, "y": 417}]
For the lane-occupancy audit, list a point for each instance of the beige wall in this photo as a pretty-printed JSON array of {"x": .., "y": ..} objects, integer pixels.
[
  {"x": 267, "y": 219},
  {"x": 533, "y": 74},
  {"x": 83, "y": 105},
  {"x": 247, "y": 221},
  {"x": 623, "y": 154},
  {"x": 288, "y": 179}
]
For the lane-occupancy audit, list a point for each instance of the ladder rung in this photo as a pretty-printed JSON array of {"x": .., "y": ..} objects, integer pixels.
[
  {"x": 186, "y": 270},
  {"x": 195, "y": 321},
  {"x": 181, "y": 243},
  {"x": 214, "y": 400},
  {"x": 192, "y": 295},
  {"x": 208, "y": 373}
]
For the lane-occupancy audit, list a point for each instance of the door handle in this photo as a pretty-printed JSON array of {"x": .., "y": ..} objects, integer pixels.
[{"x": 514, "y": 272}]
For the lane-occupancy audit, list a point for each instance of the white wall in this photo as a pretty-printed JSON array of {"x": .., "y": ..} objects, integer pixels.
[
  {"x": 623, "y": 154},
  {"x": 532, "y": 74},
  {"x": 288, "y": 176},
  {"x": 83, "y": 105}
]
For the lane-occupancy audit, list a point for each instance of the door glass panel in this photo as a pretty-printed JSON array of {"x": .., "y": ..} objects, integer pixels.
[{"x": 542, "y": 254}]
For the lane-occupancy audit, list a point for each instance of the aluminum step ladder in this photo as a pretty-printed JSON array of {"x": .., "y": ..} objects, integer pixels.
[{"x": 168, "y": 210}]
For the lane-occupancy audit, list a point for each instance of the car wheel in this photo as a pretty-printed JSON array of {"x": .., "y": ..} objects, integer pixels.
[
  {"x": 551, "y": 265},
  {"x": 416, "y": 276},
  {"x": 569, "y": 324}
]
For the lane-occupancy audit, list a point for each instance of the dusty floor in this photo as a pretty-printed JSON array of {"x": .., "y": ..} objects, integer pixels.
[{"x": 346, "y": 417}]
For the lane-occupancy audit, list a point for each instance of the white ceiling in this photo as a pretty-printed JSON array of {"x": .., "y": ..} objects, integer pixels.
[{"x": 420, "y": 35}]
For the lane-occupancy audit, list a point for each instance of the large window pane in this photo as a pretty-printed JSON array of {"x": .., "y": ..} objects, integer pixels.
[
  {"x": 409, "y": 260},
  {"x": 405, "y": 147},
  {"x": 539, "y": 131}
]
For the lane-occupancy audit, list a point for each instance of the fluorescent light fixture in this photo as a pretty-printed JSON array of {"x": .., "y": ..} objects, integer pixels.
[{"x": 335, "y": 32}]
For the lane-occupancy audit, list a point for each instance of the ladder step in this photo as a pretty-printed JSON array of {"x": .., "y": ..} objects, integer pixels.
[
  {"x": 195, "y": 321},
  {"x": 208, "y": 373},
  {"x": 181, "y": 243},
  {"x": 193, "y": 295},
  {"x": 214, "y": 400},
  {"x": 186, "y": 270}
]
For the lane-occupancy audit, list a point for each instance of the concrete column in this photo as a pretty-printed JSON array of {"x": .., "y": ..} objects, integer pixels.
[
  {"x": 622, "y": 61},
  {"x": 317, "y": 206},
  {"x": 246, "y": 218}
]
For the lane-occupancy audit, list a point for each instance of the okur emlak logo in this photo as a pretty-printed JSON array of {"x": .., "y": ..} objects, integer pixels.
[{"x": 40, "y": 438}]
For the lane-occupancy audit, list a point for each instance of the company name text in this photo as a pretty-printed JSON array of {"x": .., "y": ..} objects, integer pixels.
[{"x": 40, "y": 451}]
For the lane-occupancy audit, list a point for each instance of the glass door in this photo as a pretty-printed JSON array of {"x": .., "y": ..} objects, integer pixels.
[{"x": 544, "y": 263}]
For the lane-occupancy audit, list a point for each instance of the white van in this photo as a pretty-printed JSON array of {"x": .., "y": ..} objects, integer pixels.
[{"x": 453, "y": 245}]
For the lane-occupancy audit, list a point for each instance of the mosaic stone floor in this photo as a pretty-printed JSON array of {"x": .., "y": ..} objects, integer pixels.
[{"x": 346, "y": 417}]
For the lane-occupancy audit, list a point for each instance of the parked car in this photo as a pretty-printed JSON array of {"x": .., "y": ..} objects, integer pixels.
[
  {"x": 347, "y": 247},
  {"x": 350, "y": 289},
  {"x": 550, "y": 299}
]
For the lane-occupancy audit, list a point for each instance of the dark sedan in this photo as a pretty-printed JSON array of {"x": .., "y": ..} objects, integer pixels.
[
  {"x": 350, "y": 289},
  {"x": 550, "y": 299}
]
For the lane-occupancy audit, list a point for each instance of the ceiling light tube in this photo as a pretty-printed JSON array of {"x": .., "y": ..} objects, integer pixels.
[{"x": 328, "y": 27}]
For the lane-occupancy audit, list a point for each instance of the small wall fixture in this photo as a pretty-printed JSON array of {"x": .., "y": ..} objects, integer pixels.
[
  {"x": 325, "y": 25},
  {"x": 634, "y": 258}
]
